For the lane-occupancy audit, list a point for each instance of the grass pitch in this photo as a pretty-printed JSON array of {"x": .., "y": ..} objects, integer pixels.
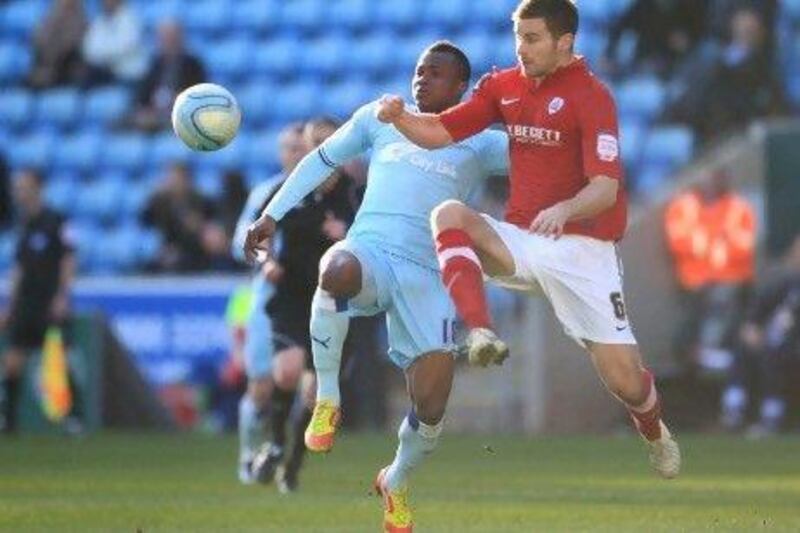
[{"x": 152, "y": 483}]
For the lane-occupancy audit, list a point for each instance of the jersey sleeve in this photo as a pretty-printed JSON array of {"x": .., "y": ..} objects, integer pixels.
[
  {"x": 350, "y": 140},
  {"x": 494, "y": 154},
  {"x": 600, "y": 134},
  {"x": 476, "y": 114}
]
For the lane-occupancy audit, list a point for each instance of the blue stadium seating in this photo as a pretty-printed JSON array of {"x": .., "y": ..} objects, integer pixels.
[
  {"x": 229, "y": 58},
  {"x": 398, "y": 15},
  {"x": 126, "y": 152},
  {"x": 279, "y": 56},
  {"x": 79, "y": 152},
  {"x": 450, "y": 15},
  {"x": 792, "y": 9},
  {"x": 353, "y": 15},
  {"x": 106, "y": 105},
  {"x": 60, "y": 191},
  {"x": 342, "y": 99},
  {"x": 166, "y": 148},
  {"x": 19, "y": 18},
  {"x": 15, "y": 108},
  {"x": 325, "y": 56},
  {"x": 373, "y": 55},
  {"x": 255, "y": 16},
  {"x": 668, "y": 146},
  {"x": 298, "y": 101},
  {"x": 33, "y": 150},
  {"x": 15, "y": 61},
  {"x": 60, "y": 107},
  {"x": 208, "y": 16},
  {"x": 100, "y": 199},
  {"x": 306, "y": 16},
  {"x": 640, "y": 99}
]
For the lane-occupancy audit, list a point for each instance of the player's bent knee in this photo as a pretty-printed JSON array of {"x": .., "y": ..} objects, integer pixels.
[
  {"x": 430, "y": 411},
  {"x": 288, "y": 368},
  {"x": 449, "y": 214},
  {"x": 341, "y": 275}
]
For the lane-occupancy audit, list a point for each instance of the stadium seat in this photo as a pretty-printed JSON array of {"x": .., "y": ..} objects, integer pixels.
[
  {"x": 592, "y": 45},
  {"x": 120, "y": 249},
  {"x": 640, "y": 99},
  {"x": 20, "y": 17},
  {"x": 398, "y": 15},
  {"x": 33, "y": 150},
  {"x": 126, "y": 152},
  {"x": 15, "y": 62},
  {"x": 255, "y": 16},
  {"x": 106, "y": 105},
  {"x": 480, "y": 49},
  {"x": 208, "y": 17},
  {"x": 325, "y": 56},
  {"x": 372, "y": 55},
  {"x": 450, "y": 15},
  {"x": 59, "y": 107},
  {"x": 78, "y": 153},
  {"x": 296, "y": 101},
  {"x": 408, "y": 49},
  {"x": 229, "y": 58},
  {"x": 792, "y": 9},
  {"x": 230, "y": 157},
  {"x": 651, "y": 179},
  {"x": 305, "y": 16},
  {"x": 668, "y": 146},
  {"x": 209, "y": 182},
  {"x": 353, "y": 15},
  {"x": 60, "y": 191},
  {"x": 100, "y": 199},
  {"x": 15, "y": 108},
  {"x": 496, "y": 13},
  {"x": 342, "y": 99},
  {"x": 153, "y": 13},
  {"x": 87, "y": 236},
  {"x": 137, "y": 193},
  {"x": 632, "y": 137},
  {"x": 278, "y": 56},
  {"x": 262, "y": 152},
  {"x": 166, "y": 148},
  {"x": 256, "y": 101}
]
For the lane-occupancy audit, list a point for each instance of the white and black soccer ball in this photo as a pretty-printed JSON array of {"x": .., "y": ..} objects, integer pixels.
[{"x": 206, "y": 117}]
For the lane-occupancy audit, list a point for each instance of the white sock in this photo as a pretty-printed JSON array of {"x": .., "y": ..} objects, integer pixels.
[
  {"x": 329, "y": 325},
  {"x": 417, "y": 440},
  {"x": 251, "y": 428}
]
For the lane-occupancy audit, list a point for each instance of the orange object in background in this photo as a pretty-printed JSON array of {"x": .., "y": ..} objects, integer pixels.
[{"x": 711, "y": 237}]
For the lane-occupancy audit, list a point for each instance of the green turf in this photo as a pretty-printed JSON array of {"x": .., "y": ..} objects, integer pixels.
[{"x": 187, "y": 483}]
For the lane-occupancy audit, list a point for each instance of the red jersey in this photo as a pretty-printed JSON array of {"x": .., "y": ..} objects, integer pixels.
[{"x": 561, "y": 133}]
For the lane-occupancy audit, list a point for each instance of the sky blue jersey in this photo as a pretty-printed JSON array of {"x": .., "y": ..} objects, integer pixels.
[{"x": 405, "y": 182}]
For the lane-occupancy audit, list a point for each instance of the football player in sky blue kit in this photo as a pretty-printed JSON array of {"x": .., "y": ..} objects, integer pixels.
[
  {"x": 388, "y": 262},
  {"x": 265, "y": 373}
]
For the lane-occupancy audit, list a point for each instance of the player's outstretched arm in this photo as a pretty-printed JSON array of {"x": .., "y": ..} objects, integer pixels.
[{"x": 423, "y": 129}]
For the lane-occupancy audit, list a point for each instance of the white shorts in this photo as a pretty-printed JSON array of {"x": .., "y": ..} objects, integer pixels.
[{"x": 581, "y": 276}]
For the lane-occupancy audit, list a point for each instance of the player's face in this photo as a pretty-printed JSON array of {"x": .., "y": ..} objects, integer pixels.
[
  {"x": 437, "y": 84},
  {"x": 292, "y": 148},
  {"x": 538, "y": 51}
]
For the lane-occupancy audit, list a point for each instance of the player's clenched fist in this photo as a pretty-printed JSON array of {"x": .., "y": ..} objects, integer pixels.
[
  {"x": 390, "y": 107},
  {"x": 258, "y": 236}
]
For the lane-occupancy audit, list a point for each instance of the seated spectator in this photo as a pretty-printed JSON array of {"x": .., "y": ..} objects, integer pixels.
[
  {"x": 57, "y": 45},
  {"x": 735, "y": 85},
  {"x": 659, "y": 45},
  {"x": 770, "y": 345},
  {"x": 171, "y": 71},
  {"x": 181, "y": 214},
  {"x": 113, "y": 49},
  {"x": 711, "y": 235}
]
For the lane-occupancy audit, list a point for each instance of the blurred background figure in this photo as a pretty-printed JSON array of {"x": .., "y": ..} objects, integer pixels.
[
  {"x": 711, "y": 233},
  {"x": 769, "y": 353},
  {"x": 172, "y": 70},
  {"x": 113, "y": 49},
  {"x": 57, "y": 45},
  {"x": 181, "y": 215},
  {"x": 6, "y": 208},
  {"x": 41, "y": 282}
]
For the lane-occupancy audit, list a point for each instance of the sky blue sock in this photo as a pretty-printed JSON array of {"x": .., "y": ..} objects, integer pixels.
[
  {"x": 417, "y": 440},
  {"x": 251, "y": 428},
  {"x": 329, "y": 325}
]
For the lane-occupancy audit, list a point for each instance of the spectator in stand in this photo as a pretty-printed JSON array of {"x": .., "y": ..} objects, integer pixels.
[
  {"x": 181, "y": 214},
  {"x": 665, "y": 31},
  {"x": 711, "y": 234},
  {"x": 735, "y": 84},
  {"x": 171, "y": 71},
  {"x": 770, "y": 345},
  {"x": 57, "y": 45},
  {"x": 113, "y": 49}
]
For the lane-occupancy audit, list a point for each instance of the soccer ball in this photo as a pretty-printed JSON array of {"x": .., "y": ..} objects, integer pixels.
[{"x": 206, "y": 117}]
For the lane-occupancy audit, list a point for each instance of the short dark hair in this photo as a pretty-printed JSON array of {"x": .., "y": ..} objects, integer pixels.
[
  {"x": 447, "y": 47},
  {"x": 560, "y": 16}
]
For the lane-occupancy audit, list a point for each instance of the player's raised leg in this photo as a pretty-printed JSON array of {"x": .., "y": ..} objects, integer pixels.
[
  {"x": 429, "y": 380},
  {"x": 620, "y": 367},
  {"x": 340, "y": 280},
  {"x": 467, "y": 246}
]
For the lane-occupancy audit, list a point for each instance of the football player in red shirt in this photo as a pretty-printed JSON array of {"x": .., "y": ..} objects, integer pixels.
[{"x": 566, "y": 210}]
